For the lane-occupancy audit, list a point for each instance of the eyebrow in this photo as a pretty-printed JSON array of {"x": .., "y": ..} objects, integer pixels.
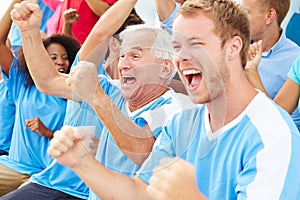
[{"x": 132, "y": 48}]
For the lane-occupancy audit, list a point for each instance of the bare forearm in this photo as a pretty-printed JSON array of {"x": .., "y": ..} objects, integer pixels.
[
  {"x": 41, "y": 67},
  {"x": 134, "y": 141},
  {"x": 107, "y": 184},
  {"x": 6, "y": 56},
  {"x": 67, "y": 29},
  {"x": 97, "y": 6},
  {"x": 106, "y": 26},
  {"x": 254, "y": 79},
  {"x": 164, "y": 8},
  {"x": 288, "y": 96}
]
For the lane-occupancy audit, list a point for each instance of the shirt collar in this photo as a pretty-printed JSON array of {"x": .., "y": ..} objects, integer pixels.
[{"x": 276, "y": 46}]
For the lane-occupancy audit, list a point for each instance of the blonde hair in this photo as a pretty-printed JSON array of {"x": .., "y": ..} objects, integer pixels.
[{"x": 229, "y": 18}]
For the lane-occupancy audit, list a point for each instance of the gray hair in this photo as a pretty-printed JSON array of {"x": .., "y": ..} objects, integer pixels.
[{"x": 161, "y": 47}]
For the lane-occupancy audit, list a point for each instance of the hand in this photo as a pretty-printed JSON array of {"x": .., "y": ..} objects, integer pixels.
[
  {"x": 254, "y": 56},
  {"x": 174, "y": 179},
  {"x": 36, "y": 125},
  {"x": 84, "y": 81},
  {"x": 66, "y": 147},
  {"x": 71, "y": 16},
  {"x": 27, "y": 15}
]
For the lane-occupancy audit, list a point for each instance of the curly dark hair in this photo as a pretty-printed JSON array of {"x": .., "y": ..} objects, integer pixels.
[{"x": 70, "y": 44}]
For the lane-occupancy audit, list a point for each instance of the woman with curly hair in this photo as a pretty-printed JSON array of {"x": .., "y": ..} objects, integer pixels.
[{"x": 37, "y": 115}]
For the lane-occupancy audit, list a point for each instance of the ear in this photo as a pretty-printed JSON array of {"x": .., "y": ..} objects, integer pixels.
[
  {"x": 234, "y": 48},
  {"x": 271, "y": 16},
  {"x": 114, "y": 44},
  {"x": 167, "y": 70}
]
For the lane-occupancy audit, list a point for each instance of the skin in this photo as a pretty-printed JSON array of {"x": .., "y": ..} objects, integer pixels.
[
  {"x": 193, "y": 48},
  {"x": 205, "y": 54},
  {"x": 59, "y": 56},
  {"x": 36, "y": 125},
  {"x": 263, "y": 23},
  {"x": 201, "y": 51},
  {"x": 66, "y": 147},
  {"x": 137, "y": 61},
  {"x": 290, "y": 89},
  {"x": 70, "y": 17},
  {"x": 6, "y": 59},
  {"x": 27, "y": 16}
]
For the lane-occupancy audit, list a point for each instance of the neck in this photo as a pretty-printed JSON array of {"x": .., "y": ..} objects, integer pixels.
[
  {"x": 269, "y": 40},
  {"x": 225, "y": 108},
  {"x": 145, "y": 96}
]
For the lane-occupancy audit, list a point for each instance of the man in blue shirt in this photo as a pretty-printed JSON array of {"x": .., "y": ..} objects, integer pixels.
[
  {"x": 144, "y": 61},
  {"x": 279, "y": 52},
  {"x": 238, "y": 143}
]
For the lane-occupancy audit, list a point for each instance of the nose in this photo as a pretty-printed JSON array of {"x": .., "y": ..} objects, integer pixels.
[
  {"x": 124, "y": 62},
  {"x": 183, "y": 55},
  {"x": 60, "y": 61}
]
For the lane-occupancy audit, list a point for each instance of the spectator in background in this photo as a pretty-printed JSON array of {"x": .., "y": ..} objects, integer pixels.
[
  {"x": 28, "y": 152},
  {"x": 89, "y": 12},
  {"x": 278, "y": 52},
  {"x": 70, "y": 17},
  {"x": 289, "y": 94}
]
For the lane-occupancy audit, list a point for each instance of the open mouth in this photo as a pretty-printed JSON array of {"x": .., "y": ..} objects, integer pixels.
[
  {"x": 128, "y": 80},
  {"x": 61, "y": 70},
  {"x": 192, "y": 76}
]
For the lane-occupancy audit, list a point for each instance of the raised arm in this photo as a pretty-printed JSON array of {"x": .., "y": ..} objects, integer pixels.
[
  {"x": 164, "y": 8},
  {"x": 254, "y": 57},
  {"x": 106, "y": 26},
  {"x": 27, "y": 17},
  {"x": 133, "y": 141},
  {"x": 70, "y": 16},
  {"x": 6, "y": 56},
  {"x": 98, "y": 6}
]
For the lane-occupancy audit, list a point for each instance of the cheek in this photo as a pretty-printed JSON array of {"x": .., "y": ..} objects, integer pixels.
[{"x": 67, "y": 63}]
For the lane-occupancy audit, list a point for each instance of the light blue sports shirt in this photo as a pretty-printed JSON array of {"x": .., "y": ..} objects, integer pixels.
[
  {"x": 155, "y": 114},
  {"x": 255, "y": 156},
  {"x": 7, "y": 117},
  {"x": 28, "y": 152}
]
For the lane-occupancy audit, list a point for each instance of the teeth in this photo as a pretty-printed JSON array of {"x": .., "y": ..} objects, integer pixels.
[
  {"x": 191, "y": 71},
  {"x": 61, "y": 70},
  {"x": 127, "y": 79}
]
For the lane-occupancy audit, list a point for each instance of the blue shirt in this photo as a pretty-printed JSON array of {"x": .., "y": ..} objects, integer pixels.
[
  {"x": 168, "y": 23},
  {"x": 155, "y": 113},
  {"x": 255, "y": 156},
  {"x": 28, "y": 152},
  {"x": 275, "y": 65},
  {"x": 60, "y": 177},
  {"x": 294, "y": 74},
  {"x": 7, "y": 117}
]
